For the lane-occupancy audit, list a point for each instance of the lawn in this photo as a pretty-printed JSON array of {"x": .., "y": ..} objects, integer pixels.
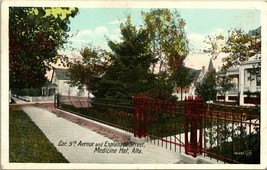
[
  {"x": 27, "y": 143},
  {"x": 163, "y": 122}
]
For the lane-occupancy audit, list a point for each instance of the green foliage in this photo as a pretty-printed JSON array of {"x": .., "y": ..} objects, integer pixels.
[
  {"x": 239, "y": 46},
  {"x": 182, "y": 77},
  {"x": 114, "y": 112},
  {"x": 35, "y": 36},
  {"x": 160, "y": 89},
  {"x": 206, "y": 88},
  {"x": 224, "y": 85},
  {"x": 27, "y": 143},
  {"x": 127, "y": 69},
  {"x": 131, "y": 58},
  {"x": 167, "y": 35},
  {"x": 27, "y": 92},
  {"x": 89, "y": 69}
]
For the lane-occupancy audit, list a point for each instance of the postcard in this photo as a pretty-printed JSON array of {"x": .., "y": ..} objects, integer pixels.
[{"x": 133, "y": 84}]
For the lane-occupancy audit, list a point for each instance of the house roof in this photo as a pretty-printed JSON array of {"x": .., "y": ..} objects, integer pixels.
[
  {"x": 211, "y": 67},
  {"x": 61, "y": 74},
  {"x": 195, "y": 72}
]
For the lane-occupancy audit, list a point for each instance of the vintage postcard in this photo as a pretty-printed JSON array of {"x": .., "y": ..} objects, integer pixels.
[{"x": 133, "y": 84}]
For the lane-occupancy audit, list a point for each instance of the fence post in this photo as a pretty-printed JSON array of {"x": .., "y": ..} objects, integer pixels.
[
  {"x": 140, "y": 104},
  {"x": 55, "y": 98},
  {"x": 193, "y": 121},
  {"x": 58, "y": 100}
]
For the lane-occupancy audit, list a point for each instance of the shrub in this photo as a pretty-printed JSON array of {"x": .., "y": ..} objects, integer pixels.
[{"x": 27, "y": 92}]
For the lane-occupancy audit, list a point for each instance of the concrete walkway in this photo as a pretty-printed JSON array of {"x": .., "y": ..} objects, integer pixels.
[{"x": 78, "y": 144}]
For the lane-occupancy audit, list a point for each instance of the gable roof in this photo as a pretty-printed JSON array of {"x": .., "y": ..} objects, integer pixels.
[
  {"x": 211, "y": 67},
  {"x": 61, "y": 74},
  {"x": 195, "y": 73}
]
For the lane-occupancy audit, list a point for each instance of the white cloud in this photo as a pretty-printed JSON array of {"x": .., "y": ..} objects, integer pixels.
[
  {"x": 83, "y": 36},
  {"x": 118, "y": 30},
  {"x": 115, "y": 22},
  {"x": 101, "y": 30},
  {"x": 115, "y": 38},
  {"x": 196, "y": 41},
  {"x": 196, "y": 37},
  {"x": 84, "y": 33},
  {"x": 217, "y": 31},
  {"x": 87, "y": 35}
]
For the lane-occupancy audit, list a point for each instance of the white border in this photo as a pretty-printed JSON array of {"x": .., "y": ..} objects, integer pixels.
[{"x": 257, "y": 5}]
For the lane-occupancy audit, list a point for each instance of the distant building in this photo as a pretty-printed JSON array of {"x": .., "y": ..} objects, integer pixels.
[
  {"x": 246, "y": 78},
  {"x": 198, "y": 76},
  {"x": 60, "y": 84},
  {"x": 247, "y": 83}
]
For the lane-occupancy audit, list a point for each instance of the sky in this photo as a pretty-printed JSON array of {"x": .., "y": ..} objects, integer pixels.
[{"x": 94, "y": 24}]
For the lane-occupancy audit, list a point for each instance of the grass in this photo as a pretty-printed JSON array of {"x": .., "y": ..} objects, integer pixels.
[
  {"x": 27, "y": 143},
  {"x": 162, "y": 124}
]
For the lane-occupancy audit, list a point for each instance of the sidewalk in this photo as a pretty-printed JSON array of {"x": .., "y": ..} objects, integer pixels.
[{"x": 63, "y": 133}]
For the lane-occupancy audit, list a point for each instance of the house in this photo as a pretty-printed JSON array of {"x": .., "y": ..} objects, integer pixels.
[
  {"x": 246, "y": 78},
  {"x": 247, "y": 83},
  {"x": 182, "y": 93},
  {"x": 198, "y": 75},
  {"x": 60, "y": 84}
]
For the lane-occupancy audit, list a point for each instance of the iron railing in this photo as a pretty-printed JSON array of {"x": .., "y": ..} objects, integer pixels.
[{"x": 225, "y": 133}]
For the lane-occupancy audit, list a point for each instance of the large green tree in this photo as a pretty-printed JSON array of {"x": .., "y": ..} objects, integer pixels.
[
  {"x": 206, "y": 88},
  {"x": 121, "y": 73},
  {"x": 169, "y": 44},
  {"x": 181, "y": 77},
  {"x": 238, "y": 45},
  {"x": 88, "y": 69},
  {"x": 35, "y": 36},
  {"x": 129, "y": 71},
  {"x": 131, "y": 58},
  {"x": 168, "y": 38}
]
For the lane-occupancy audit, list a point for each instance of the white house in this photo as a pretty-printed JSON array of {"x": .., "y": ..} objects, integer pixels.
[
  {"x": 198, "y": 76},
  {"x": 189, "y": 91},
  {"x": 247, "y": 83},
  {"x": 247, "y": 80},
  {"x": 60, "y": 84}
]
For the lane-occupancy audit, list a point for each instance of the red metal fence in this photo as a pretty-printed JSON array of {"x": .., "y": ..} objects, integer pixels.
[
  {"x": 227, "y": 133},
  {"x": 194, "y": 126}
]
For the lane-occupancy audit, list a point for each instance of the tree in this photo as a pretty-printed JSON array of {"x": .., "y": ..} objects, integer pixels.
[
  {"x": 120, "y": 74},
  {"x": 35, "y": 36},
  {"x": 169, "y": 43},
  {"x": 206, "y": 88},
  {"x": 168, "y": 39},
  {"x": 224, "y": 85},
  {"x": 131, "y": 59},
  {"x": 238, "y": 45},
  {"x": 88, "y": 69},
  {"x": 182, "y": 78}
]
